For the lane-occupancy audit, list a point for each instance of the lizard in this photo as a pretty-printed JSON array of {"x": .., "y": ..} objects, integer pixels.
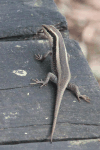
[{"x": 60, "y": 74}]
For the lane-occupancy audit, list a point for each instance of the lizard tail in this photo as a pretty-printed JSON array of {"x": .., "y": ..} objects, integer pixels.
[{"x": 57, "y": 106}]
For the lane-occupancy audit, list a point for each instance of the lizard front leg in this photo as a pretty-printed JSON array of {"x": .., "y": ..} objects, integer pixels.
[
  {"x": 42, "y": 57},
  {"x": 50, "y": 76}
]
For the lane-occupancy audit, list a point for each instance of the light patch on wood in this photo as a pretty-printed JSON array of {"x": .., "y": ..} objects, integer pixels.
[
  {"x": 40, "y": 41},
  {"x": 74, "y": 101},
  {"x": 37, "y": 3},
  {"x": 38, "y": 106},
  {"x": 83, "y": 142},
  {"x": 20, "y": 72},
  {"x": 46, "y": 118},
  {"x": 25, "y": 132},
  {"x": 10, "y": 115},
  {"x": 15, "y": 113},
  {"x": 7, "y": 117},
  {"x": 34, "y": 3},
  {"x": 18, "y": 46}
]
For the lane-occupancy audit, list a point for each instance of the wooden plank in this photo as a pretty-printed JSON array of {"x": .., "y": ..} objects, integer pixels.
[
  {"x": 19, "y": 55},
  {"x": 26, "y": 112},
  {"x": 23, "y": 18},
  {"x": 34, "y": 133},
  {"x": 69, "y": 145}
]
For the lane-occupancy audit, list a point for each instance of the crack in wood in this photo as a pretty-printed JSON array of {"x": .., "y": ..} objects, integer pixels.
[{"x": 47, "y": 140}]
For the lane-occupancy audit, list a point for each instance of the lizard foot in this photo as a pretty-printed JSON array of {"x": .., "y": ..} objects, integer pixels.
[
  {"x": 38, "y": 57},
  {"x": 36, "y": 81},
  {"x": 86, "y": 98}
]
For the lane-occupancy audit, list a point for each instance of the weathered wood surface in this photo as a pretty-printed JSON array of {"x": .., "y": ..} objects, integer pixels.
[
  {"x": 26, "y": 112},
  {"x": 69, "y": 145},
  {"x": 24, "y": 18}
]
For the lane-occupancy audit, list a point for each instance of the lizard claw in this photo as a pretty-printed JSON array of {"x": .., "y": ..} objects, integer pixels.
[
  {"x": 86, "y": 98},
  {"x": 38, "y": 57},
  {"x": 36, "y": 81},
  {"x": 43, "y": 84}
]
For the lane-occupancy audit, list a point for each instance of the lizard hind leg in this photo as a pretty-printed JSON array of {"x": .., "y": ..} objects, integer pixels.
[
  {"x": 74, "y": 88},
  {"x": 50, "y": 76}
]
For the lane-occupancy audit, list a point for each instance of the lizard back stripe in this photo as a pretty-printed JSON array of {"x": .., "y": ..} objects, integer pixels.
[{"x": 54, "y": 50}]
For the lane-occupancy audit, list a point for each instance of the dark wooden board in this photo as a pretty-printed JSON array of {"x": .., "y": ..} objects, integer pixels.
[
  {"x": 26, "y": 112},
  {"x": 24, "y": 18},
  {"x": 69, "y": 145}
]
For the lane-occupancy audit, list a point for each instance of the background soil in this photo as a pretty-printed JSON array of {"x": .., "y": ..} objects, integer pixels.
[{"x": 83, "y": 18}]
